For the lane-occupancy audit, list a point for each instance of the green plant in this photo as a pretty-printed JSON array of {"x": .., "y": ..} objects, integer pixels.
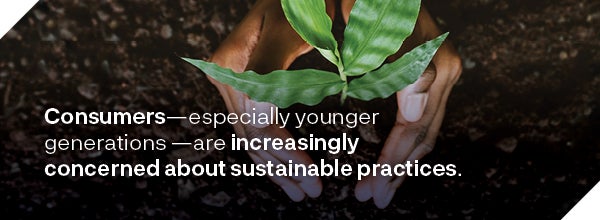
[{"x": 376, "y": 29}]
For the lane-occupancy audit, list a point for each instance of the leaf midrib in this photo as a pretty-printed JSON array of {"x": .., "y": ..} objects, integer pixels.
[
  {"x": 230, "y": 76},
  {"x": 361, "y": 47}
]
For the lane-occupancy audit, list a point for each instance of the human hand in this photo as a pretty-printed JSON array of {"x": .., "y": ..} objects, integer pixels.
[
  {"x": 264, "y": 41},
  {"x": 421, "y": 108}
]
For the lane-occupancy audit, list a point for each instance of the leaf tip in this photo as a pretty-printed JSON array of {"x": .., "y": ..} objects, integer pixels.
[
  {"x": 444, "y": 36},
  {"x": 186, "y": 59}
]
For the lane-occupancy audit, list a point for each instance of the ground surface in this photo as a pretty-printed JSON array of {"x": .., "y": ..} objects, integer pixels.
[{"x": 521, "y": 123}]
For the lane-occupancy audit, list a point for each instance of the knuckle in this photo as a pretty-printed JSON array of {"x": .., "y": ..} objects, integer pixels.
[
  {"x": 427, "y": 78},
  {"x": 427, "y": 148},
  {"x": 392, "y": 157},
  {"x": 384, "y": 156},
  {"x": 420, "y": 136},
  {"x": 455, "y": 68},
  {"x": 400, "y": 122},
  {"x": 254, "y": 133}
]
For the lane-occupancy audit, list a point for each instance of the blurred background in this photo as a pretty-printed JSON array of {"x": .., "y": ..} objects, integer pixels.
[{"x": 522, "y": 123}]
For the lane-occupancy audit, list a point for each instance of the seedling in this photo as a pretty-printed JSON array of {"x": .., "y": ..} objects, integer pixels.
[{"x": 376, "y": 29}]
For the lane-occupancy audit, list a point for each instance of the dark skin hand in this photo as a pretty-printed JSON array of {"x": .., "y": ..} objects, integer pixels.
[
  {"x": 421, "y": 108},
  {"x": 264, "y": 41}
]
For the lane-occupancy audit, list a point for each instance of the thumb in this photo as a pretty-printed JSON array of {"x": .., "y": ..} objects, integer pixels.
[
  {"x": 259, "y": 108},
  {"x": 413, "y": 99}
]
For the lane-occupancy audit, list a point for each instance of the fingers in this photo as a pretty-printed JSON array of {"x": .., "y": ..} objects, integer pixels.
[
  {"x": 409, "y": 140},
  {"x": 279, "y": 44},
  {"x": 264, "y": 41},
  {"x": 234, "y": 52},
  {"x": 420, "y": 109},
  {"x": 421, "y": 98},
  {"x": 395, "y": 151},
  {"x": 251, "y": 106},
  {"x": 425, "y": 80},
  {"x": 363, "y": 189},
  {"x": 383, "y": 189},
  {"x": 400, "y": 145},
  {"x": 429, "y": 141},
  {"x": 289, "y": 187},
  {"x": 346, "y": 9},
  {"x": 309, "y": 185}
]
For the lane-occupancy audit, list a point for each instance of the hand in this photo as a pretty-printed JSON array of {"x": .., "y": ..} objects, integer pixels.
[
  {"x": 420, "y": 113},
  {"x": 264, "y": 41}
]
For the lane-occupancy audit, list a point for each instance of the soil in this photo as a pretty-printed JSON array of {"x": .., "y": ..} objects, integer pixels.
[{"x": 521, "y": 123}]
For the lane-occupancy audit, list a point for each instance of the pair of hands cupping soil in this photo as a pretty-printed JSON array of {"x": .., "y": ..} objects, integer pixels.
[{"x": 264, "y": 41}]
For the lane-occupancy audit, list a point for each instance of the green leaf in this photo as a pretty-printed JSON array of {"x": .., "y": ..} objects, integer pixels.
[
  {"x": 395, "y": 76},
  {"x": 376, "y": 29},
  {"x": 281, "y": 87},
  {"x": 310, "y": 20}
]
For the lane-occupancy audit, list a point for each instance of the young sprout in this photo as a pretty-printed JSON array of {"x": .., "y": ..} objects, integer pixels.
[{"x": 376, "y": 29}]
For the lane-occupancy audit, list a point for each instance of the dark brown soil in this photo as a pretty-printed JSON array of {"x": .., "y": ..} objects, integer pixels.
[{"x": 522, "y": 123}]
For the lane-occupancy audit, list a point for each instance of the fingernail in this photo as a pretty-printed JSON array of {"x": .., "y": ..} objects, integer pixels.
[
  {"x": 414, "y": 106},
  {"x": 312, "y": 188},
  {"x": 253, "y": 107},
  {"x": 264, "y": 107},
  {"x": 385, "y": 196},
  {"x": 294, "y": 192},
  {"x": 362, "y": 191}
]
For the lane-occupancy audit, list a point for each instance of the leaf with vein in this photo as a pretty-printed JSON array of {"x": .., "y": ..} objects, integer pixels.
[
  {"x": 311, "y": 22},
  {"x": 376, "y": 29},
  {"x": 281, "y": 87},
  {"x": 395, "y": 76}
]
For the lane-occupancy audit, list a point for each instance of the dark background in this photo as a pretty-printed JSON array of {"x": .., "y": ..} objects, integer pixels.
[{"x": 522, "y": 123}]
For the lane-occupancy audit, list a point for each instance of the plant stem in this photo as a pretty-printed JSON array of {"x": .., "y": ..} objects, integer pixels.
[
  {"x": 344, "y": 94},
  {"x": 340, "y": 65},
  {"x": 343, "y": 76}
]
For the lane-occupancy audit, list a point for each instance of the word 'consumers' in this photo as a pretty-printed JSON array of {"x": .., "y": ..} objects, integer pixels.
[
  {"x": 332, "y": 145},
  {"x": 54, "y": 116}
]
